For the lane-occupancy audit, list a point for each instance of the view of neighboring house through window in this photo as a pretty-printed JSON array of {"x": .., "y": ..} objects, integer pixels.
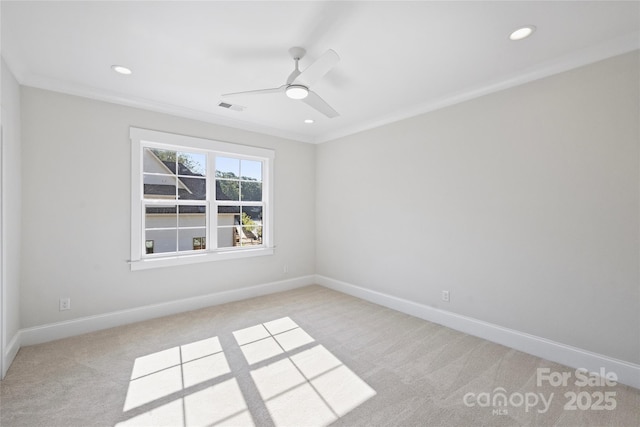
[
  {"x": 196, "y": 200},
  {"x": 175, "y": 195}
]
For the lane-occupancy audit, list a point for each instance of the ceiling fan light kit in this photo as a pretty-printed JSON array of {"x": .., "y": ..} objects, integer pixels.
[
  {"x": 298, "y": 83},
  {"x": 297, "y": 91}
]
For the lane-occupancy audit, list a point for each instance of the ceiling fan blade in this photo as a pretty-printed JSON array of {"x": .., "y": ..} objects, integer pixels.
[
  {"x": 258, "y": 92},
  {"x": 319, "y": 68},
  {"x": 314, "y": 101},
  {"x": 293, "y": 76}
]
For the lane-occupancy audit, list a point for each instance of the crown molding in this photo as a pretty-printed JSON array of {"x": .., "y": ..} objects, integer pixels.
[
  {"x": 568, "y": 62},
  {"x": 599, "y": 52},
  {"x": 53, "y": 85}
]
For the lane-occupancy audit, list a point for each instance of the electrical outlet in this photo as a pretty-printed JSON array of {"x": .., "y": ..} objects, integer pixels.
[
  {"x": 65, "y": 303},
  {"x": 445, "y": 296},
  {"x": 285, "y": 269}
]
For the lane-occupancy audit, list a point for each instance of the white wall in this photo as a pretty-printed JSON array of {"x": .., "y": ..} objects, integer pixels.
[
  {"x": 524, "y": 204},
  {"x": 11, "y": 213},
  {"x": 76, "y": 217}
]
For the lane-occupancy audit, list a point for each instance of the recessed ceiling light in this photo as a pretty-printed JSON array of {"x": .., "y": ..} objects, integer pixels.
[
  {"x": 309, "y": 121},
  {"x": 121, "y": 69},
  {"x": 522, "y": 33}
]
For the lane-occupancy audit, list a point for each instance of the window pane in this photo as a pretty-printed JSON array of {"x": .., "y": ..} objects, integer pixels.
[
  {"x": 251, "y": 191},
  {"x": 186, "y": 237},
  {"x": 159, "y": 161},
  {"x": 159, "y": 186},
  {"x": 252, "y": 236},
  {"x": 192, "y": 188},
  {"x": 192, "y": 164},
  {"x": 227, "y": 168},
  {"x": 161, "y": 217},
  {"x": 227, "y": 237},
  {"x": 252, "y": 213},
  {"x": 251, "y": 170},
  {"x": 229, "y": 224},
  {"x": 228, "y": 215},
  {"x": 227, "y": 190},
  {"x": 251, "y": 226},
  {"x": 192, "y": 216},
  {"x": 163, "y": 240}
]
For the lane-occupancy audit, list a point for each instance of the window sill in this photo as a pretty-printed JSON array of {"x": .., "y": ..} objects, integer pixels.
[{"x": 149, "y": 263}]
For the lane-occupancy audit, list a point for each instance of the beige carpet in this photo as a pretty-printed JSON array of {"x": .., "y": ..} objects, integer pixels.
[{"x": 307, "y": 357}]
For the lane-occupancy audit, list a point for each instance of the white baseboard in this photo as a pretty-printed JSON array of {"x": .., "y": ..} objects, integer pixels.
[
  {"x": 10, "y": 353},
  {"x": 54, "y": 331},
  {"x": 627, "y": 373}
]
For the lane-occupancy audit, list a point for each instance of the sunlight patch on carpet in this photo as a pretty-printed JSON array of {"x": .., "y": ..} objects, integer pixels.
[{"x": 286, "y": 374}]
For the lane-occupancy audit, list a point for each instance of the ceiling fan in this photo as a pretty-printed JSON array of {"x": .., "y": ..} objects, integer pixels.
[{"x": 298, "y": 82}]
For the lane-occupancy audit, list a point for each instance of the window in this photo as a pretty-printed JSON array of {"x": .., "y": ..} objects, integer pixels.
[{"x": 196, "y": 200}]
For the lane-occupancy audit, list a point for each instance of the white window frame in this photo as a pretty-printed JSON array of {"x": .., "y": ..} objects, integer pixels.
[{"x": 141, "y": 138}]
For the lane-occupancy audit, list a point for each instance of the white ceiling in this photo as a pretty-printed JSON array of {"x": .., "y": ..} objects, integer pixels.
[{"x": 398, "y": 59}]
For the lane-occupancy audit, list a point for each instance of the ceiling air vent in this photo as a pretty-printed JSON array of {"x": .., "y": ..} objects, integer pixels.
[{"x": 234, "y": 107}]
